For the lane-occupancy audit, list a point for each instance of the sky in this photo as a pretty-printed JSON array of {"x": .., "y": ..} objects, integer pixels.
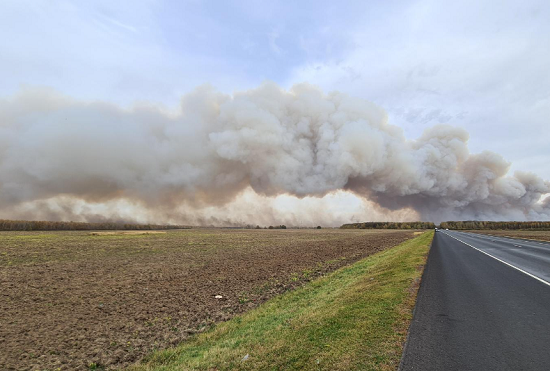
[{"x": 479, "y": 65}]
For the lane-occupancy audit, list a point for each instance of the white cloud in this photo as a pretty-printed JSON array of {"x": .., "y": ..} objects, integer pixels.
[{"x": 479, "y": 64}]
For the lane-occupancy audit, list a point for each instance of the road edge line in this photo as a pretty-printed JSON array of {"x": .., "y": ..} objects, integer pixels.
[
  {"x": 502, "y": 261},
  {"x": 413, "y": 314}
]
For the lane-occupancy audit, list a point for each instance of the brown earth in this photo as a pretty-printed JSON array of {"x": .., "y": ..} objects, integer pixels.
[
  {"x": 531, "y": 235},
  {"x": 102, "y": 233},
  {"x": 75, "y": 301}
]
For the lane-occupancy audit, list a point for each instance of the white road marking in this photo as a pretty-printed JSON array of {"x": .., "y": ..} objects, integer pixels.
[{"x": 502, "y": 261}]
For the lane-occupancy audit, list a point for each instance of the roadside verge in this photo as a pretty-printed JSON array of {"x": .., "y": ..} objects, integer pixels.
[{"x": 354, "y": 318}]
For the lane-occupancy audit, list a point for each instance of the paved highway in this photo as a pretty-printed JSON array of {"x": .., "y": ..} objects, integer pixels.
[
  {"x": 481, "y": 312},
  {"x": 528, "y": 255}
]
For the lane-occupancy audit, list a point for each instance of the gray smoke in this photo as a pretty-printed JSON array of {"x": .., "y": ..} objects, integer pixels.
[{"x": 301, "y": 142}]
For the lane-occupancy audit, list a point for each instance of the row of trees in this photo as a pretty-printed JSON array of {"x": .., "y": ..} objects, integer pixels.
[
  {"x": 473, "y": 224},
  {"x": 389, "y": 225},
  {"x": 468, "y": 224},
  {"x": 250, "y": 226},
  {"x": 30, "y": 225}
]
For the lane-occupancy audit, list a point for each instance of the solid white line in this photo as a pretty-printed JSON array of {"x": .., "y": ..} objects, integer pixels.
[{"x": 502, "y": 261}]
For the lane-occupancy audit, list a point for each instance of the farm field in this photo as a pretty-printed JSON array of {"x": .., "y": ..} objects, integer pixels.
[
  {"x": 355, "y": 318},
  {"x": 532, "y": 235},
  {"x": 78, "y": 301}
]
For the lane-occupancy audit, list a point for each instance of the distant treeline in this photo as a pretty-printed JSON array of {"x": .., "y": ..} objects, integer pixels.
[
  {"x": 472, "y": 224},
  {"x": 251, "y": 226},
  {"x": 389, "y": 225},
  {"x": 27, "y": 225}
]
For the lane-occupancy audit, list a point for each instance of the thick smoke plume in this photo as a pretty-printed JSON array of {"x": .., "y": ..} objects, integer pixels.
[{"x": 65, "y": 158}]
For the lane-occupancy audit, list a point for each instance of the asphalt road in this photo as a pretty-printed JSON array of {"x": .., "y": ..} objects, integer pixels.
[{"x": 475, "y": 312}]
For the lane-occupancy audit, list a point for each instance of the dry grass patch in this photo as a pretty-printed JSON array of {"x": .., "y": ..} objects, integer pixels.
[{"x": 124, "y": 232}]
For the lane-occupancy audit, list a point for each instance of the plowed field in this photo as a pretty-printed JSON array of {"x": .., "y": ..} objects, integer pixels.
[{"x": 77, "y": 301}]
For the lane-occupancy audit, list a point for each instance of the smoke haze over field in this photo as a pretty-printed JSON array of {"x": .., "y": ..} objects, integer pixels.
[{"x": 261, "y": 156}]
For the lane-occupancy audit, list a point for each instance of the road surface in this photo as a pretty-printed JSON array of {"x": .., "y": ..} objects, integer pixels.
[{"x": 477, "y": 312}]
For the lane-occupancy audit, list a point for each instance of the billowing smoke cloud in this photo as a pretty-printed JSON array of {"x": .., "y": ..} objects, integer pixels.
[{"x": 60, "y": 157}]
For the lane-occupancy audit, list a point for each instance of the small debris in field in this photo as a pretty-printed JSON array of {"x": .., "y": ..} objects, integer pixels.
[
  {"x": 218, "y": 297},
  {"x": 245, "y": 358}
]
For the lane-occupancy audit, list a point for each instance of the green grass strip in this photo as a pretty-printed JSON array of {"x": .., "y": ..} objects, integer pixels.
[{"x": 355, "y": 318}]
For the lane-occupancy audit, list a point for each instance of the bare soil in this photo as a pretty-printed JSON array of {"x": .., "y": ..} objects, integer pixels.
[
  {"x": 531, "y": 235},
  {"x": 75, "y": 301},
  {"x": 102, "y": 233}
]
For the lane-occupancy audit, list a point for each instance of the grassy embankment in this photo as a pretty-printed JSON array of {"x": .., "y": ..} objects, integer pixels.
[{"x": 355, "y": 318}]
